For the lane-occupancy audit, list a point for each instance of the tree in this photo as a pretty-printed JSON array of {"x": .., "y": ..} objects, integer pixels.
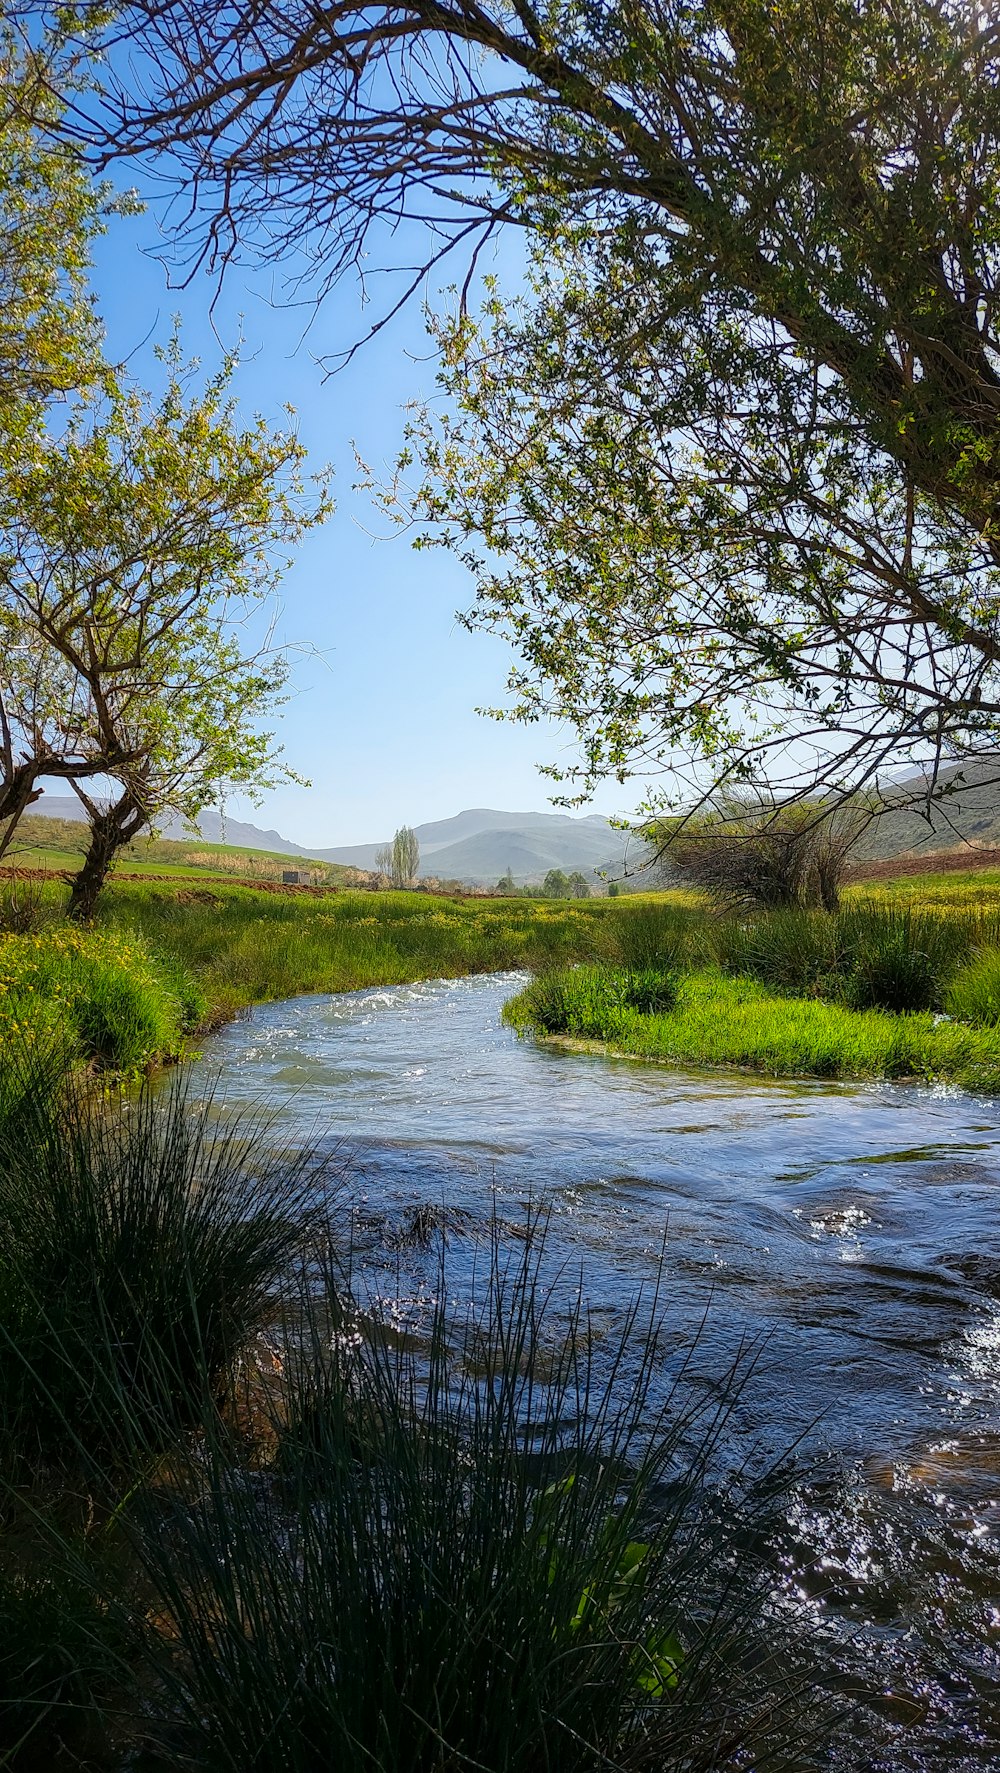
[
  {"x": 404, "y": 857},
  {"x": 555, "y": 885},
  {"x": 50, "y": 348},
  {"x": 136, "y": 542},
  {"x": 752, "y": 854},
  {"x": 578, "y": 885},
  {"x": 757, "y": 468}
]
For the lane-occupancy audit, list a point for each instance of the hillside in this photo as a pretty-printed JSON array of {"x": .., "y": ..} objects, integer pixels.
[
  {"x": 480, "y": 844},
  {"x": 476, "y": 846},
  {"x": 59, "y": 844},
  {"x": 212, "y": 828},
  {"x": 969, "y": 814}
]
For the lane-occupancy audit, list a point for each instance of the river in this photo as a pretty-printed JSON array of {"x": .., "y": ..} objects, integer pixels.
[{"x": 849, "y": 1234}]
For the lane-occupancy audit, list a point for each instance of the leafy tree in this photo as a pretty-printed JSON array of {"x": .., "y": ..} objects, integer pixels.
[
  {"x": 137, "y": 541},
  {"x": 555, "y": 885},
  {"x": 578, "y": 885},
  {"x": 751, "y": 414},
  {"x": 50, "y": 348}
]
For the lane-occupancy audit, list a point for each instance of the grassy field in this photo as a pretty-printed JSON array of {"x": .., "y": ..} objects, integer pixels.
[{"x": 856, "y": 994}]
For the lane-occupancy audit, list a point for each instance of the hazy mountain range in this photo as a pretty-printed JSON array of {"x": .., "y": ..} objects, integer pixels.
[{"x": 477, "y": 846}]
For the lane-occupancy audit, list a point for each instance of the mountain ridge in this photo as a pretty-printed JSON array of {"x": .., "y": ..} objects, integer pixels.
[{"x": 477, "y": 845}]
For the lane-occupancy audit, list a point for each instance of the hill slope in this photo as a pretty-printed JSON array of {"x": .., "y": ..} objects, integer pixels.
[
  {"x": 968, "y": 814},
  {"x": 477, "y": 845},
  {"x": 481, "y": 844}
]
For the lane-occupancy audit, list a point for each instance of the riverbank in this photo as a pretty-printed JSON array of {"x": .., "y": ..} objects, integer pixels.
[
  {"x": 717, "y": 1021},
  {"x": 876, "y": 990},
  {"x": 884, "y": 989},
  {"x": 162, "y": 965}
]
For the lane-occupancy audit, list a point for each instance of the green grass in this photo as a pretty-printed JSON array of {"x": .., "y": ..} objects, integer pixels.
[
  {"x": 162, "y": 962},
  {"x": 720, "y": 1021},
  {"x": 808, "y": 993},
  {"x": 102, "y": 996},
  {"x": 245, "y": 947}
]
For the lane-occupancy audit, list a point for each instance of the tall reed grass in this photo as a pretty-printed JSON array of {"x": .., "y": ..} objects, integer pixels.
[
  {"x": 498, "y": 1542},
  {"x": 876, "y": 956},
  {"x": 140, "y": 1243},
  {"x": 720, "y": 1021},
  {"x": 493, "y": 1552}
]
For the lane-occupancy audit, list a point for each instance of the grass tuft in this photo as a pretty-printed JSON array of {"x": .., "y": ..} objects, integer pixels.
[{"x": 140, "y": 1241}]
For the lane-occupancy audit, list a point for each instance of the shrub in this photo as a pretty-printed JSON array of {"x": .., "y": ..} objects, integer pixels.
[
  {"x": 139, "y": 1246},
  {"x": 473, "y": 1552},
  {"x": 24, "y": 908},
  {"x": 590, "y": 1001},
  {"x": 755, "y": 854}
]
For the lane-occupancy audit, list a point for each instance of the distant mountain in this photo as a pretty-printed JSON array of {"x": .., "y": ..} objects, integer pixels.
[
  {"x": 480, "y": 845},
  {"x": 477, "y": 846},
  {"x": 968, "y": 813},
  {"x": 212, "y": 827}
]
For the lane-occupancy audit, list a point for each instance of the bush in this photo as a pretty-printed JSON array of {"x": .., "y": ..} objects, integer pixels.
[
  {"x": 139, "y": 1246},
  {"x": 645, "y": 937},
  {"x": 651, "y": 993},
  {"x": 473, "y": 1552},
  {"x": 752, "y": 853},
  {"x": 24, "y": 906}
]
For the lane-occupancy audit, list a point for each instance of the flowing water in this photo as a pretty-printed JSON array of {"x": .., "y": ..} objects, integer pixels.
[{"x": 849, "y": 1234}]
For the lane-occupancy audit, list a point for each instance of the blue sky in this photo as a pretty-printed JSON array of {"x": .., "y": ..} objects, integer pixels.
[{"x": 382, "y": 719}]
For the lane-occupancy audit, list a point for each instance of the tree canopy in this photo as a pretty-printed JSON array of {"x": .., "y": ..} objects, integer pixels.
[
  {"x": 137, "y": 541},
  {"x": 750, "y": 417},
  {"x": 135, "y": 536}
]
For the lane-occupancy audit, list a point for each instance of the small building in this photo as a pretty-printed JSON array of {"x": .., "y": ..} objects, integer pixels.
[{"x": 296, "y": 877}]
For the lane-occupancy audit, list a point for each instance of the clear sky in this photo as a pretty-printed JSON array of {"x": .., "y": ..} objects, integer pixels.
[{"x": 382, "y": 720}]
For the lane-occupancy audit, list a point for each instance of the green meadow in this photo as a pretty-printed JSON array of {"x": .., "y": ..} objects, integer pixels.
[{"x": 903, "y": 982}]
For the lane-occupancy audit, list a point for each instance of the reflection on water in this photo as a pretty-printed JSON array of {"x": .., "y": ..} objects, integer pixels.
[{"x": 851, "y": 1233}]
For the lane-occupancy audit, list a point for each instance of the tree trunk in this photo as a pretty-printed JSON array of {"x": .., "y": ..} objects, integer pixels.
[{"x": 110, "y": 831}]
